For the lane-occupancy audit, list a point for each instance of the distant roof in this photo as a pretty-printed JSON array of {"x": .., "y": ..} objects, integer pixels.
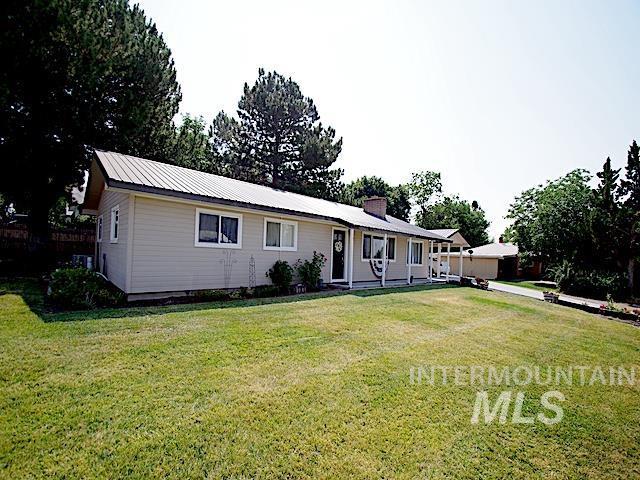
[
  {"x": 139, "y": 174},
  {"x": 494, "y": 250},
  {"x": 452, "y": 234}
]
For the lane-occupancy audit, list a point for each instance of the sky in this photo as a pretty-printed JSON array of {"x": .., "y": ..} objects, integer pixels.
[{"x": 498, "y": 96}]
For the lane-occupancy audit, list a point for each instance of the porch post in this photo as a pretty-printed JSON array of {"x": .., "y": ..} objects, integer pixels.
[
  {"x": 384, "y": 260},
  {"x": 430, "y": 263},
  {"x": 351, "y": 235},
  {"x": 409, "y": 261},
  {"x": 460, "y": 263},
  {"x": 439, "y": 260},
  {"x": 446, "y": 277}
]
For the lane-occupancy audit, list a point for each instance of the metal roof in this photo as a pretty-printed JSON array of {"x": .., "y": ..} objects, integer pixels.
[
  {"x": 444, "y": 232},
  {"x": 142, "y": 175},
  {"x": 494, "y": 250},
  {"x": 452, "y": 234}
]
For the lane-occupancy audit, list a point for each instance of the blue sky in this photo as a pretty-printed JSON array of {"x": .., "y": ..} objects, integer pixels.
[{"x": 497, "y": 95}]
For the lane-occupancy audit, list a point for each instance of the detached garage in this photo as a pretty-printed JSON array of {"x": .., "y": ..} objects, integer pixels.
[{"x": 492, "y": 261}]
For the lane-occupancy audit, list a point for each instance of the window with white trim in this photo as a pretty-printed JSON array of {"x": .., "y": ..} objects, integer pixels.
[
  {"x": 280, "y": 235},
  {"x": 99, "y": 229},
  {"x": 372, "y": 246},
  {"x": 115, "y": 224},
  {"x": 415, "y": 252},
  {"x": 218, "y": 229}
]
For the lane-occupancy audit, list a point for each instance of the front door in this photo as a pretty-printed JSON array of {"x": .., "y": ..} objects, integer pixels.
[{"x": 338, "y": 255}]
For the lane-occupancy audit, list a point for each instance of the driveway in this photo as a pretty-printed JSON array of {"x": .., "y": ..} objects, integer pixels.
[{"x": 529, "y": 292}]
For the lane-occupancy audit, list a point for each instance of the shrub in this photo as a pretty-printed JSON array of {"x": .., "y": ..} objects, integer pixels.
[
  {"x": 281, "y": 275},
  {"x": 310, "y": 271},
  {"x": 263, "y": 291},
  {"x": 79, "y": 288},
  {"x": 592, "y": 284},
  {"x": 211, "y": 295}
]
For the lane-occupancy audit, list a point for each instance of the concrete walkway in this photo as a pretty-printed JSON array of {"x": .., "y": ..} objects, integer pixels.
[{"x": 531, "y": 293}]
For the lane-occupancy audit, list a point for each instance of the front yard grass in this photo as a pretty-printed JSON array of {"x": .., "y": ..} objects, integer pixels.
[{"x": 311, "y": 387}]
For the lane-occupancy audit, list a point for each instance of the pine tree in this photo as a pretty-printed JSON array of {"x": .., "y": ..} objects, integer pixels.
[
  {"x": 191, "y": 147},
  {"x": 607, "y": 189},
  {"x": 604, "y": 219},
  {"x": 77, "y": 74},
  {"x": 278, "y": 140},
  {"x": 630, "y": 188}
]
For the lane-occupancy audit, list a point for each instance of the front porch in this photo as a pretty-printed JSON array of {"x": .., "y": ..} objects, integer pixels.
[{"x": 362, "y": 259}]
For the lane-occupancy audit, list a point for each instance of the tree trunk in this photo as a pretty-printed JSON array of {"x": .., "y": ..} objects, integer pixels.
[
  {"x": 631, "y": 273},
  {"x": 275, "y": 176}
]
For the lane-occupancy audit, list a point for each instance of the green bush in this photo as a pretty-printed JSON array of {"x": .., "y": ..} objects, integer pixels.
[
  {"x": 79, "y": 288},
  {"x": 281, "y": 275},
  {"x": 212, "y": 295},
  {"x": 263, "y": 291},
  {"x": 310, "y": 271},
  {"x": 592, "y": 284}
]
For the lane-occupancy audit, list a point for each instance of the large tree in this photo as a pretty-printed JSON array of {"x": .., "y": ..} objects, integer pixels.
[
  {"x": 630, "y": 190},
  {"x": 398, "y": 198},
  {"x": 191, "y": 145},
  {"x": 425, "y": 189},
  {"x": 435, "y": 210},
  {"x": 278, "y": 139},
  {"x": 605, "y": 218},
  {"x": 77, "y": 74},
  {"x": 453, "y": 212},
  {"x": 552, "y": 221}
]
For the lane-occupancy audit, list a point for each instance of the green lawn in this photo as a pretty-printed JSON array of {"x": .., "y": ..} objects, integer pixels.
[
  {"x": 318, "y": 387},
  {"x": 527, "y": 284}
]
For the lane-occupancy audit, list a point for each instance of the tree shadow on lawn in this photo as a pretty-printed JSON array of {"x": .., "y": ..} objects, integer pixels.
[{"x": 33, "y": 295}]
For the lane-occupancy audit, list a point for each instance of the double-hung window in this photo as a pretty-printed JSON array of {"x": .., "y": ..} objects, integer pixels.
[
  {"x": 373, "y": 245},
  {"x": 280, "y": 235},
  {"x": 115, "y": 224},
  {"x": 99, "y": 229},
  {"x": 414, "y": 255},
  {"x": 218, "y": 229}
]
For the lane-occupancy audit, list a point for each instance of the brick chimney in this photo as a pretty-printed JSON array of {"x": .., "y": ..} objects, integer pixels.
[{"x": 376, "y": 206}]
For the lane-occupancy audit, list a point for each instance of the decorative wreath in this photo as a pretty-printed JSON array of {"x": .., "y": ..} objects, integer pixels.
[{"x": 338, "y": 246}]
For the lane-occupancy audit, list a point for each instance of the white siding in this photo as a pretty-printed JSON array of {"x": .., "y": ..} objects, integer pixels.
[
  {"x": 112, "y": 257},
  {"x": 165, "y": 259}
]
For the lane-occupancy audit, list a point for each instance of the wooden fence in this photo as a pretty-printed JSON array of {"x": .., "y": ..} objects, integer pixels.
[{"x": 61, "y": 245}]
